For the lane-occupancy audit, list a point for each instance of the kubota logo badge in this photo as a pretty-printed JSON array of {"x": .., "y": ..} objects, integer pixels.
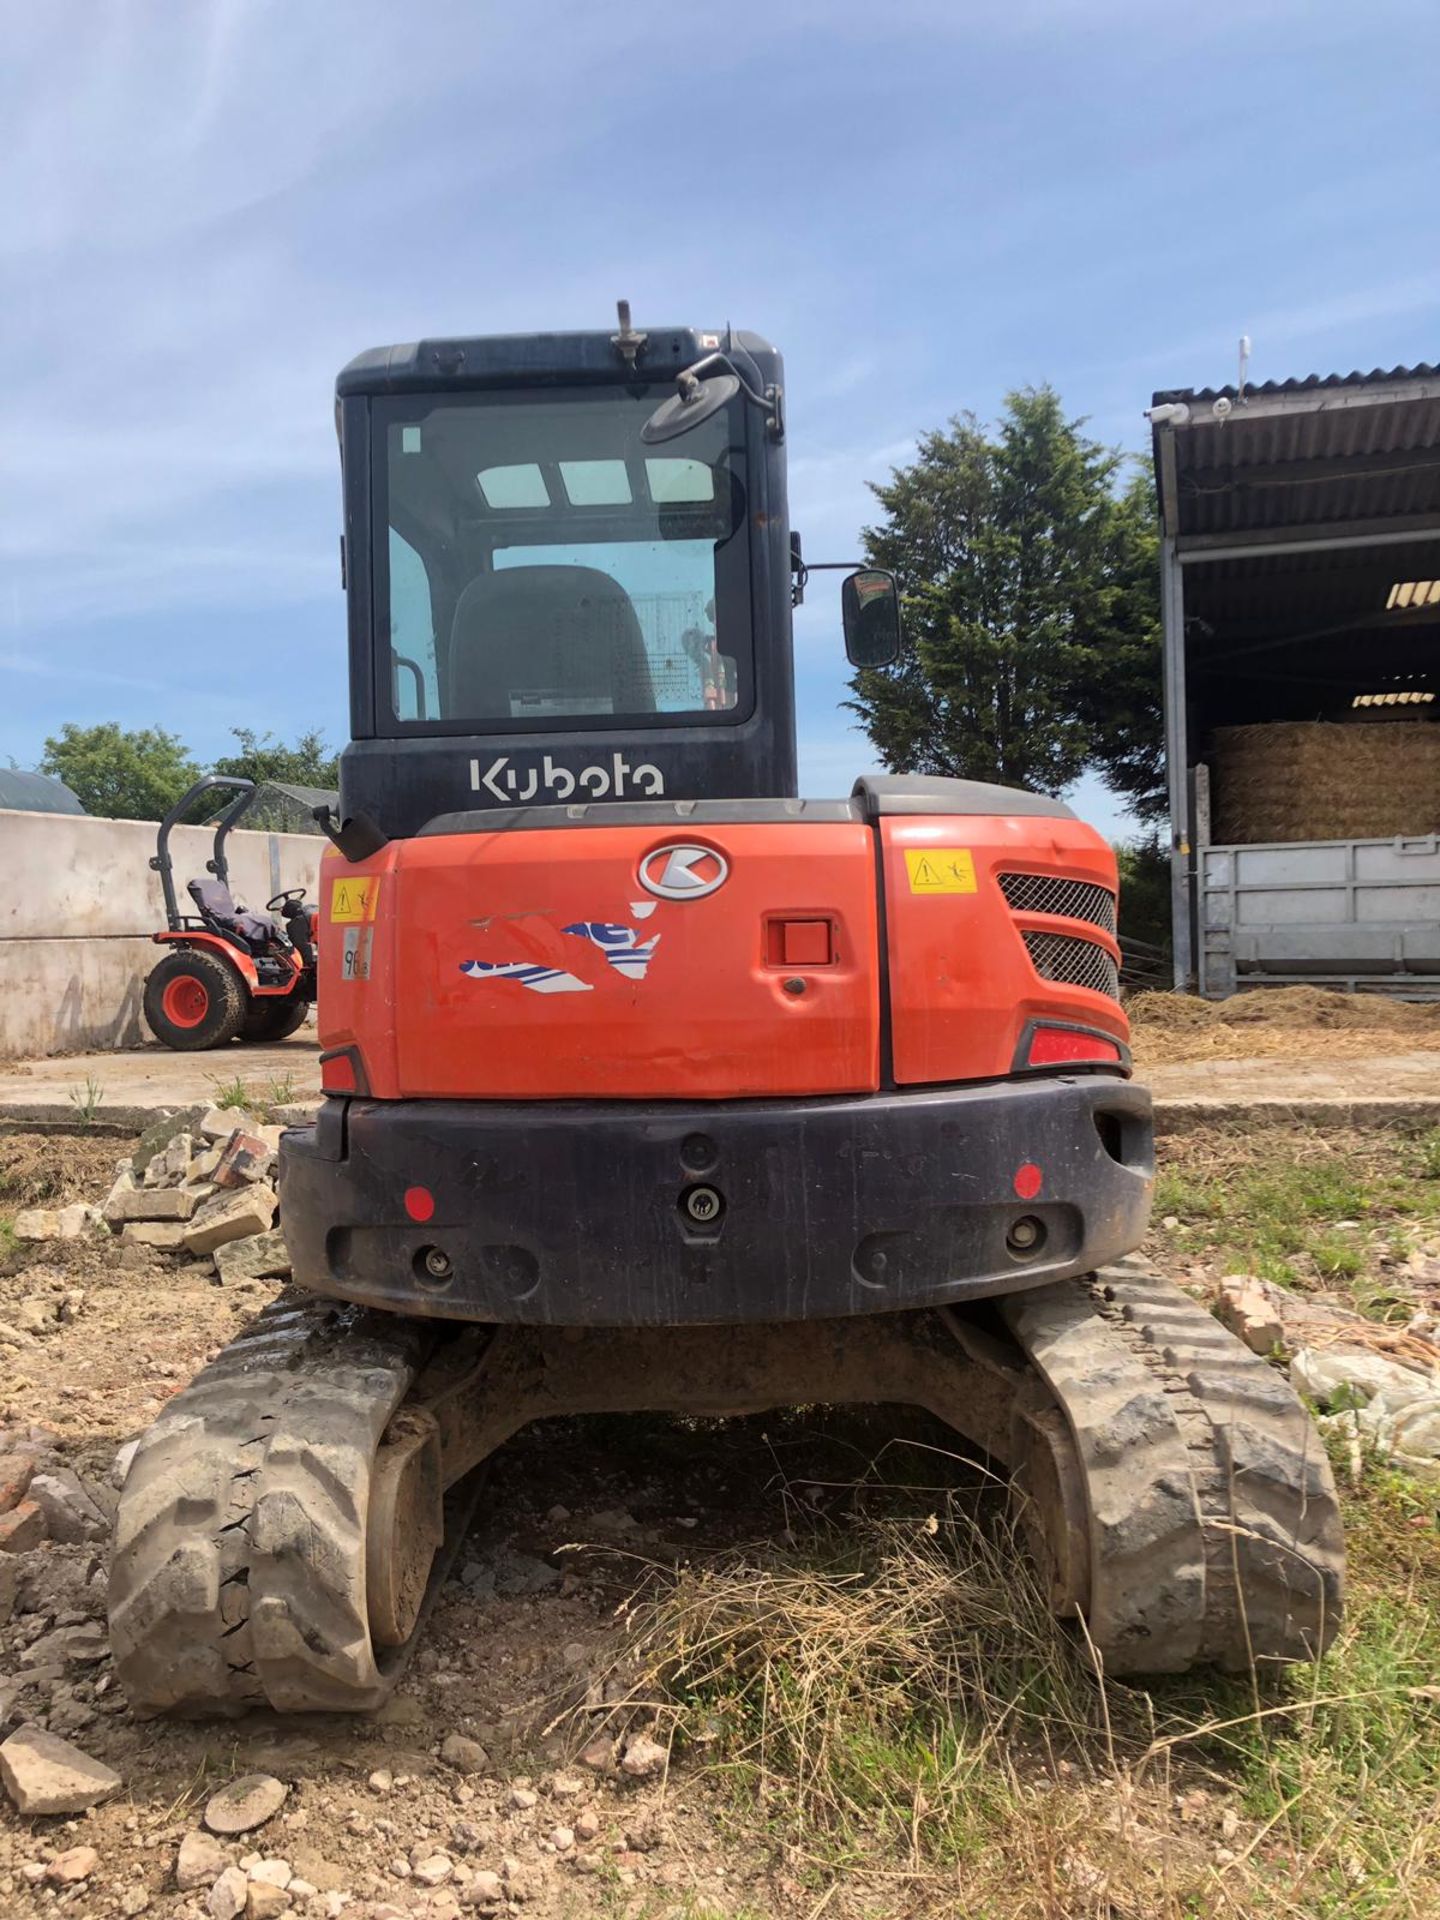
[{"x": 683, "y": 873}]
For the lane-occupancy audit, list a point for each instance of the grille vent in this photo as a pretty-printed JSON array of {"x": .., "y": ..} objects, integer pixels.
[
  {"x": 1049, "y": 893},
  {"x": 1073, "y": 963}
]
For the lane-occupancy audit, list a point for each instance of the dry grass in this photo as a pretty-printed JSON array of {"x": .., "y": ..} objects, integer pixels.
[
  {"x": 43, "y": 1169},
  {"x": 891, "y": 1698},
  {"x": 1315, "y": 780},
  {"x": 1294, "y": 1023}
]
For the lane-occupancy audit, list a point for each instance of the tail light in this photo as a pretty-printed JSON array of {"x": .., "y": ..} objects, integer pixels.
[
  {"x": 1047, "y": 1043},
  {"x": 342, "y": 1070}
]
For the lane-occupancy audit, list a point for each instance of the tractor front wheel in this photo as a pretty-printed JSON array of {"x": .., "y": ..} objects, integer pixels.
[{"x": 194, "y": 1000}]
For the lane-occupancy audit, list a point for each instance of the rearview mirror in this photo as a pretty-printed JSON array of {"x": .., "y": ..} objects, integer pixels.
[
  {"x": 870, "y": 609},
  {"x": 697, "y": 400}
]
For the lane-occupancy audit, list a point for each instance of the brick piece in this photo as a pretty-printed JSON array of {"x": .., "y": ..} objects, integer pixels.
[
  {"x": 22, "y": 1528},
  {"x": 231, "y": 1216},
  {"x": 15, "y": 1472},
  {"x": 245, "y": 1160}
]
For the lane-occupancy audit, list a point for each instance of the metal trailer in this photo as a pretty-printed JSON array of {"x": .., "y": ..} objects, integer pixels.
[{"x": 1300, "y": 578}]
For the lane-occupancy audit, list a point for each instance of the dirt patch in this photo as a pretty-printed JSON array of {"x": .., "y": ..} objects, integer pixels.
[
  {"x": 46, "y": 1169},
  {"x": 1296, "y": 1023}
]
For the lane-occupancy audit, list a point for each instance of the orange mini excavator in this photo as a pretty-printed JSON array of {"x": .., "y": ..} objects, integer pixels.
[{"x": 650, "y": 1085}]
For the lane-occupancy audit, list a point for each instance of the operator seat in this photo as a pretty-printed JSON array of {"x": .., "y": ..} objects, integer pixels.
[
  {"x": 254, "y": 931},
  {"x": 566, "y": 635}
]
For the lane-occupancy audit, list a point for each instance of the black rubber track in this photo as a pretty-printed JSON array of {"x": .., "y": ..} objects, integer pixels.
[
  {"x": 238, "y": 1574},
  {"x": 238, "y": 1577},
  {"x": 1216, "y": 1537}
]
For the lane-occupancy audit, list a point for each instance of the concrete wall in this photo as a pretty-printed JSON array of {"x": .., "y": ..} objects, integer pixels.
[{"x": 77, "y": 905}]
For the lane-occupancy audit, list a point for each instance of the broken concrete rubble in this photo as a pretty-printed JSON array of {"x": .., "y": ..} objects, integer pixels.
[
  {"x": 1377, "y": 1403},
  {"x": 231, "y": 1216},
  {"x": 47, "y": 1223},
  {"x": 260, "y": 1256},
  {"x": 153, "y": 1203},
  {"x": 1322, "y": 1373},
  {"x": 170, "y": 1167},
  {"x": 71, "y": 1515},
  {"x": 165, "y": 1236},
  {"x": 124, "y": 1183},
  {"x": 44, "y": 1774},
  {"x": 159, "y": 1134}
]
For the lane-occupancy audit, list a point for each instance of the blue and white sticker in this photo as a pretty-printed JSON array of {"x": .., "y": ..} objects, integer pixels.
[
  {"x": 527, "y": 974},
  {"x": 625, "y": 953},
  {"x": 622, "y": 946}
]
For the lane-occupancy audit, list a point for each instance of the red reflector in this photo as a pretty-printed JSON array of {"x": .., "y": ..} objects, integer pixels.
[
  {"x": 1053, "y": 1046},
  {"x": 419, "y": 1203},
  {"x": 338, "y": 1075},
  {"x": 1028, "y": 1180}
]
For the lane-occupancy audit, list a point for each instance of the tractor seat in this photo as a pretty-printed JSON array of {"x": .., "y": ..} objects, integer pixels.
[{"x": 220, "y": 912}]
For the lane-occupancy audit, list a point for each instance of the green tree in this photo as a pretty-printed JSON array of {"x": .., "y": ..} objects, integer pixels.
[
  {"x": 1029, "y": 599},
  {"x": 137, "y": 774},
  {"x": 309, "y": 763},
  {"x": 1123, "y": 705}
]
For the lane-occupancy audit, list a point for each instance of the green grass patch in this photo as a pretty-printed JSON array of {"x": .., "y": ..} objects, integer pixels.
[
  {"x": 234, "y": 1094},
  {"x": 1300, "y": 1209}
]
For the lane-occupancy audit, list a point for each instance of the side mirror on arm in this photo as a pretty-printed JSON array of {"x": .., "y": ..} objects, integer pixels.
[{"x": 870, "y": 609}]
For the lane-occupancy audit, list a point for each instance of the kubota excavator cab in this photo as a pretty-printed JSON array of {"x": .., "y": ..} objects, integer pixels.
[
  {"x": 721, "y": 1053},
  {"x": 650, "y": 1085}
]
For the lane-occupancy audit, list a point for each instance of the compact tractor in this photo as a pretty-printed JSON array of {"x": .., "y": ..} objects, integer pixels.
[
  {"x": 229, "y": 973},
  {"x": 649, "y": 1085}
]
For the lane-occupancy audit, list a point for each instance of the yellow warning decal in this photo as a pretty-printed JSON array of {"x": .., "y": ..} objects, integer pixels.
[
  {"x": 940, "y": 869},
  {"x": 354, "y": 899}
]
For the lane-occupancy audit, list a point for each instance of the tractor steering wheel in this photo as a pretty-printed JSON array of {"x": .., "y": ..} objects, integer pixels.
[{"x": 291, "y": 897}]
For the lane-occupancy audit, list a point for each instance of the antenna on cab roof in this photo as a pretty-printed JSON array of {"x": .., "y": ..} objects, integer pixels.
[{"x": 627, "y": 342}]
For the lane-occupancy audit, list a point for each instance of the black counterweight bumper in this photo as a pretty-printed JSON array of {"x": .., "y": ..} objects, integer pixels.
[{"x": 658, "y": 1214}]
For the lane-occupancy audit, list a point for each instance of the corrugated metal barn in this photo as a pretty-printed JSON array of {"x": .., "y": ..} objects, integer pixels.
[{"x": 1301, "y": 603}]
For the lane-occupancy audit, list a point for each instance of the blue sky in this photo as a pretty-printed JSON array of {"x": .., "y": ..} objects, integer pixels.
[{"x": 206, "y": 209}]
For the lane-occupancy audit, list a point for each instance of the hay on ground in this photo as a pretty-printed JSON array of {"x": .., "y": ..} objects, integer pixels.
[{"x": 1280, "y": 1023}]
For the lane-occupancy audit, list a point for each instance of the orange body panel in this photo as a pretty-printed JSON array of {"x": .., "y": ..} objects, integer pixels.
[
  {"x": 533, "y": 964},
  {"x": 678, "y": 999},
  {"x": 962, "y": 986}
]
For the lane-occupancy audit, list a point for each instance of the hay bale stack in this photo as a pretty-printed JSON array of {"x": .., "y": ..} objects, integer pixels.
[{"x": 1319, "y": 781}]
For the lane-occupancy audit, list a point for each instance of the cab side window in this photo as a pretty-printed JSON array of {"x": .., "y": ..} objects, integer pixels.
[{"x": 414, "y": 686}]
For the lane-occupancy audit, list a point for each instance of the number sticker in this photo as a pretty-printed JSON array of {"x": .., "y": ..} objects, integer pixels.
[{"x": 355, "y": 953}]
